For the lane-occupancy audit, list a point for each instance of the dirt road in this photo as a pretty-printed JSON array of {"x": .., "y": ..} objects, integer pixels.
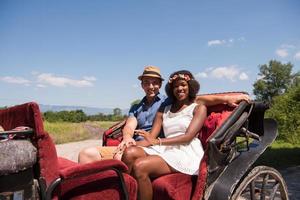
[{"x": 71, "y": 150}]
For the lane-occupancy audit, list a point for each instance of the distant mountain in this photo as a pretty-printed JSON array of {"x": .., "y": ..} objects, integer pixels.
[{"x": 86, "y": 110}]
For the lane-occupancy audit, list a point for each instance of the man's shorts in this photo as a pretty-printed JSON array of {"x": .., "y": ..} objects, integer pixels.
[{"x": 107, "y": 152}]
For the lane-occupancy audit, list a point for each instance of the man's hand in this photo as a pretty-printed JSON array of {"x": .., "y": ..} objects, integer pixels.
[
  {"x": 127, "y": 142},
  {"x": 234, "y": 100}
]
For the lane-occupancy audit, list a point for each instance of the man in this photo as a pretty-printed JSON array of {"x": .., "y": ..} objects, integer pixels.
[{"x": 141, "y": 116}]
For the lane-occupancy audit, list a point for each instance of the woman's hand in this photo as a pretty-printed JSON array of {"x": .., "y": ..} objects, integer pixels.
[
  {"x": 147, "y": 136},
  {"x": 233, "y": 101}
]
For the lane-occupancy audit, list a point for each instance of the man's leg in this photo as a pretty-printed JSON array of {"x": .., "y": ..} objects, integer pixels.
[{"x": 92, "y": 154}]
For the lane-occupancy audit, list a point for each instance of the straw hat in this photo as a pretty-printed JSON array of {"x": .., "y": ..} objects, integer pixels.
[{"x": 151, "y": 71}]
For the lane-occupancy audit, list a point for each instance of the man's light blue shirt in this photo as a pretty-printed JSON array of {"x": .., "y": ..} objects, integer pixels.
[{"x": 145, "y": 114}]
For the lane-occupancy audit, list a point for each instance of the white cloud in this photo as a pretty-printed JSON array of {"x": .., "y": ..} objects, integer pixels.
[
  {"x": 41, "y": 86},
  {"x": 228, "y": 42},
  {"x": 50, "y": 79},
  {"x": 215, "y": 42},
  {"x": 243, "y": 76},
  {"x": 260, "y": 77},
  {"x": 15, "y": 80},
  {"x": 297, "y": 55},
  {"x": 89, "y": 78},
  {"x": 282, "y": 53},
  {"x": 201, "y": 75},
  {"x": 231, "y": 73},
  {"x": 225, "y": 72}
]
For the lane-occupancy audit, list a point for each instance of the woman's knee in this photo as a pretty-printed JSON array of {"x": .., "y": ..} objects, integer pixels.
[{"x": 131, "y": 153}]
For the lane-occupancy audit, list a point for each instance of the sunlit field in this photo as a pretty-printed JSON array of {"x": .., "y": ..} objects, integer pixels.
[{"x": 63, "y": 132}]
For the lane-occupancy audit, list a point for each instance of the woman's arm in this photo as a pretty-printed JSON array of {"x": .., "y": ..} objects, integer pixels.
[
  {"x": 150, "y": 138},
  {"x": 214, "y": 99}
]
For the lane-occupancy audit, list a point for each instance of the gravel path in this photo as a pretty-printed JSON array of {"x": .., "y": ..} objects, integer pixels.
[{"x": 71, "y": 150}]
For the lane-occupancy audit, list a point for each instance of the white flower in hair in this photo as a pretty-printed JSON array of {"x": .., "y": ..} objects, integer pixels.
[{"x": 185, "y": 77}]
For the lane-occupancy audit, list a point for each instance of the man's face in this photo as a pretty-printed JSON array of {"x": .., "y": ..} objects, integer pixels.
[{"x": 151, "y": 86}]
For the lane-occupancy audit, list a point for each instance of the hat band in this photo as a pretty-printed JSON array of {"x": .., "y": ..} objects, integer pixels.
[{"x": 151, "y": 73}]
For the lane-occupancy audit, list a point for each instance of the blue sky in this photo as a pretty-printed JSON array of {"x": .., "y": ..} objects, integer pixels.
[{"x": 90, "y": 53}]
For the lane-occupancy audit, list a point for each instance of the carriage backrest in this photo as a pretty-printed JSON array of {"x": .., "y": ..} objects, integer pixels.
[
  {"x": 216, "y": 115},
  {"x": 29, "y": 115}
]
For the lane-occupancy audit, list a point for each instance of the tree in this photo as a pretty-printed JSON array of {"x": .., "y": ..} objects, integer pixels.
[
  {"x": 117, "y": 112},
  {"x": 286, "y": 111},
  {"x": 275, "y": 79},
  {"x": 65, "y": 116}
]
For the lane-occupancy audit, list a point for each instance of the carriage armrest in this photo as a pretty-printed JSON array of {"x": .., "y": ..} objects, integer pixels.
[
  {"x": 221, "y": 132},
  {"x": 80, "y": 170},
  {"x": 27, "y": 114}
]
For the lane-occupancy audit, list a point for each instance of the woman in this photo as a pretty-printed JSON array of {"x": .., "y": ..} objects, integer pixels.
[{"x": 181, "y": 151}]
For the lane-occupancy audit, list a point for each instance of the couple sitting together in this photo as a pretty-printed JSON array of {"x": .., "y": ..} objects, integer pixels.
[{"x": 160, "y": 133}]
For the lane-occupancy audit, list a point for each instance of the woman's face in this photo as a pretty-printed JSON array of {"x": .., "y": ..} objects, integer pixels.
[
  {"x": 151, "y": 86},
  {"x": 181, "y": 89}
]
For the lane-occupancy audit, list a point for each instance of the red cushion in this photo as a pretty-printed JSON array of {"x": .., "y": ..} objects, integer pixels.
[
  {"x": 65, "y": 163},
  {"x": 104, "y": 185},
  {"x": 113, "y": 142},
  {"x": 173, "y": 186}
]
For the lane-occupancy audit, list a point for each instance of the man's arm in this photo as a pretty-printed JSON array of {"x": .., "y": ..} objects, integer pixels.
[
  {"x": 214, "y": 99},
  {"x": 128, "y": 131}
]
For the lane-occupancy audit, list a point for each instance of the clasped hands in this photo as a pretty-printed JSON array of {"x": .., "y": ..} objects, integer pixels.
[{"x": 127, "y": 142}]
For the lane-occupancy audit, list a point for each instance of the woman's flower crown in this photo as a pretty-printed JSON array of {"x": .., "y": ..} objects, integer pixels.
[{"x": 185, "y": 77}]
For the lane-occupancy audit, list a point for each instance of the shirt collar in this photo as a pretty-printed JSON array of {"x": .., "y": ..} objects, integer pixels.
[{"x": 157, "y": 98}]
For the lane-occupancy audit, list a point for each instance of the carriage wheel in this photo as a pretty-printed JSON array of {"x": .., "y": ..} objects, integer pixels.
[{"x": 262, "y": 182}]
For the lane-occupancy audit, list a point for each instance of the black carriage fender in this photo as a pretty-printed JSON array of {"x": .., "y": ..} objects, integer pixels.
[{"x": 233, "y": 174}]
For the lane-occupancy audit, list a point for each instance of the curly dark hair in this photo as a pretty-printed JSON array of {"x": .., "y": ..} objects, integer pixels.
[{"x": 194, "y": 85}]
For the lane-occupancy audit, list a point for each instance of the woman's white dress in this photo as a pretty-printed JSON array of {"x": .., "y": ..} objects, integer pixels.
[{"x": 184, "y": 158}]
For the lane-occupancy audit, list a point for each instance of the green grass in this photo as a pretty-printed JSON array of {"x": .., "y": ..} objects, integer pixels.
[
  {"x": 63, "y": 132},
  {"x": 103, "y": 124},
  {"x": 280, "y": 155}
]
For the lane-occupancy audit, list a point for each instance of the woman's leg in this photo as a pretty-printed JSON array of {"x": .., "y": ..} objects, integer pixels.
[
  {"x": 146, "y": 167},
  {"x": 131, "y": 154}
]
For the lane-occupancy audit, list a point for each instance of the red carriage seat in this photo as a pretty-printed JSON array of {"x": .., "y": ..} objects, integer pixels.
[
  {"x": 60, "y": 178},
  {"x": 178, "y": 186}
]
